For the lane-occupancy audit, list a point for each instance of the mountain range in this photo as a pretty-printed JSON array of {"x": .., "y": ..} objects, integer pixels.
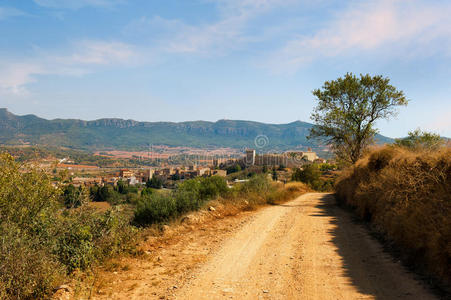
[{"x": 113, "y": 133}]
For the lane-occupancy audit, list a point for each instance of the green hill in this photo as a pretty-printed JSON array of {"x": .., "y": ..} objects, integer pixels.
[{"x": 130, "y": 134}]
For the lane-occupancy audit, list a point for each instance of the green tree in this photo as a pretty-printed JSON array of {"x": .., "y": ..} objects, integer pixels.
[
  {"x": 347, "y": 110},
  {"x": 418, "y": 139},
  {"x": 274, "y": 174},
  {"x": 147, "y": 191},
  {"x": 74, "y": 197},
  {"x": 155, "y": 182},
  {"x": 309, "y": 174},
  {"x": 234, "y": 168}
]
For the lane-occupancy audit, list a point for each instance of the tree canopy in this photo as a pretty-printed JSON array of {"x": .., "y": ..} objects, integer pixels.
[
  {"x": 420, "y": 139},
  {"x": 347, "y": 110}
]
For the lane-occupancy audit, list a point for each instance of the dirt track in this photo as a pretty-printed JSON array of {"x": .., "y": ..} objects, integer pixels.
[{"x": 305, "y": 249}]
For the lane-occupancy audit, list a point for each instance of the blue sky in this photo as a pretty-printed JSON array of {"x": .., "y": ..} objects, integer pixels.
[{"x": 182, "y": 60}]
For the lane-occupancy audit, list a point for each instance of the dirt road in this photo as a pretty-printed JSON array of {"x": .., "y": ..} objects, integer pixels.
[{"x": 305, "y": 249}]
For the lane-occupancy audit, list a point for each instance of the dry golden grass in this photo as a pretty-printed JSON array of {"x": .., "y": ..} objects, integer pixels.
[{"x": 407, "y": 196}]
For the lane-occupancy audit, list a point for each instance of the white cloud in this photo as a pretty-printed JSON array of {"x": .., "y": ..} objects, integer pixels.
[
  {"x": 401, "y": 27},
  {"x": 86, "y": 57},
  {"x": 14, "y": 76},
  {"x": 9, "y": 12},
  {"x": 77, "y": 4},
  {"x": 229, "y": 32},
  {"x": 100, "y": 53}
]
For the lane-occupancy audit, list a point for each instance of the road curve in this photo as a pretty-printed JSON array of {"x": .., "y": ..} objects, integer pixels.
[{"x": 305, "y": 249}]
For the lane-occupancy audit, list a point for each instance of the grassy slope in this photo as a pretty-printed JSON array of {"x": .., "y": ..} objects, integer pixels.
[{"x": 406, "y": 196}]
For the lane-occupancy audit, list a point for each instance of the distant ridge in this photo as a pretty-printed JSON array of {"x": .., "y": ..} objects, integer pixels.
[{"x": 123, "y": 134}]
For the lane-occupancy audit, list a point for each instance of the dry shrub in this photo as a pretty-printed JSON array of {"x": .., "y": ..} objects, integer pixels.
[
  {"x": 282, "y": 193},
  {"x": 407, "y": 196}
]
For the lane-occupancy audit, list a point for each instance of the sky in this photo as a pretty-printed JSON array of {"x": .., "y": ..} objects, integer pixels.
[{"x": 184, "y": 60}]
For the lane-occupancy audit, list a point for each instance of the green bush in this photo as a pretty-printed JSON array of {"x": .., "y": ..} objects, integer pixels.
[
  {"x": 155, "y": 208},
  {"x": 88, "y": 236},
  {"x": 311, "y": 175},
  {"x": 74, "y": 197},
  {"x": 212, "y": 187},
  {"x": 28, "y": 270},
  {"x": 188, "y": 196},
  {"x": 147, "y": 191},
  {"x": 41, "y": 241}
]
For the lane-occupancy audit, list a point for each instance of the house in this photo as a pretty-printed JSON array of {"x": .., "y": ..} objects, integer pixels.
[
  {"x": 125, "y": 173},
  {"x": 144, "y": 175},
  {"x": 203, "y": 171},
  {"x": 310, "y": 155},
  {"x": 133, "y": 180}
]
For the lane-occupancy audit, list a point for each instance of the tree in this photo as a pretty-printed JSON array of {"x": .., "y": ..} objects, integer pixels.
[
  {"x": 418, "y": 139},
  {"x": 234, "y": 168},
  {"x": 347, "y": 110},
  {"x": 309, "y": 174},
  {"x": 74, "y": 197},
  {"x": 274, "y": 174},
  {"x": 155, "y": 182}
]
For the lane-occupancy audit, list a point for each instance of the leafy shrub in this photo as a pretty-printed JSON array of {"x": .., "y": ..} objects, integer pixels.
[
  {"x": 41, "y": 241},
  {"x": 105, "y": 193},
  {"x": 212, "y": 187},
  {"x": 407, "y": 196},
  {"x": 311, "y": 175},
  {"x": 189, "y": 195},
  {"x": 155, "y": 208},
  {"x": 308, "y": 174},
  {"x": 27, "y": 268},
  {"x": 418, "y": 140},
  {"x": 155, "y": 182},
  {"x": 125, "y": 188},
  {"x": 74, "y": 197}
]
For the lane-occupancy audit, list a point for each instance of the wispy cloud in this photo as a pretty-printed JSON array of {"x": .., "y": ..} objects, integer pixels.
[
  {"x": 227, "y": 33},
  {"x": 100, "y": 53},
  {"x": 9, "y": 12},
  {"x": 77, "y": 4},
  {"x": 85, "y": 57},
  {"x": 400, "y": 27}
]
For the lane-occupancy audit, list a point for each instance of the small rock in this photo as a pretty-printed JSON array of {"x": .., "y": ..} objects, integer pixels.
[
  {"x": 246, "y": 202},
  {"x": 270, "y": 272},
  {"x": 175, "y": 287},
  {"x": 227, "y": 290},
  {"x": 147, "y": 252},
  {"x": 115, "y": 272},
  {"x": 211, "y": 208},
  {"x": 64, "y": 287},
  {"x": 159, "y": 258},
  {"x": 165, "y": 228},
  {"x": 190, "y": 219},
  {"x": 265, "y": 291}
]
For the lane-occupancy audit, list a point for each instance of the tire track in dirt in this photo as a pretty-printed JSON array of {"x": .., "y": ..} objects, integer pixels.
[{"x": 305, "y": 249}]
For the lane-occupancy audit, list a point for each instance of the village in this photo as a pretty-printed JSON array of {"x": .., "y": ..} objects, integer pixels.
[{"x": 86, "y": 175}]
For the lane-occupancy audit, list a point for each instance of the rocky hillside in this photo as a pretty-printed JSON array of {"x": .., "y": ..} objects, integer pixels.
[{"x": 130, "y": 134}]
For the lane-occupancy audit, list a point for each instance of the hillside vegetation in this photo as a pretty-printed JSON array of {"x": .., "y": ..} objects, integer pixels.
[
  {"x": 45, "y": 242},
  {"x": 130, "y": 134},
  {"x": 406, "y": 195}
]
